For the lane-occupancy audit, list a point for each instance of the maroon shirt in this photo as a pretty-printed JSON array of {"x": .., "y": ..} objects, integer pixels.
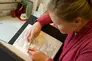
[{"x": 77, "y": 46}]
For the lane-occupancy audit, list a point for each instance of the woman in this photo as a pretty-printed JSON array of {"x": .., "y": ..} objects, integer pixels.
[{"x": 72, "y": 17}]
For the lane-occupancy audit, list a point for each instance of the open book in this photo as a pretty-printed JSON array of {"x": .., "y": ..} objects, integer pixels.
[
  {"x": 9, "y": 52},
  {"x": 44, "y": 42}
]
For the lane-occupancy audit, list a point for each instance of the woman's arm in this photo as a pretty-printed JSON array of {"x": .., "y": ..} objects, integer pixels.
[{"x": 36, "y": 28}]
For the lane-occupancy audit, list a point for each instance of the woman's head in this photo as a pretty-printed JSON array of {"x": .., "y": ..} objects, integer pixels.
[{"x": 71, "y": 12}]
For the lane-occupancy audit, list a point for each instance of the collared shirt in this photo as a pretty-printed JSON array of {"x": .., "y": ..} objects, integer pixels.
[{"x": 77, "y": 47}]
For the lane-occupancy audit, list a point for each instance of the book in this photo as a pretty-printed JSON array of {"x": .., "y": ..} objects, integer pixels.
[
  {"x": 9, "y": 52},
  {"x": 44, "y": 42}
]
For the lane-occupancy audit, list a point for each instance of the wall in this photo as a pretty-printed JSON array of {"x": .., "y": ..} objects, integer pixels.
[
  {"x": 45, "y": 2},
  {"x": 35, "y": 4},
  {"x": 40, "y": 7}
]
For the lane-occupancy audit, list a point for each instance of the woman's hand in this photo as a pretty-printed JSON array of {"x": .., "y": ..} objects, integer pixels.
[
  {"x": 37, "y": 55},
  {"x": 34, "y": 31}
]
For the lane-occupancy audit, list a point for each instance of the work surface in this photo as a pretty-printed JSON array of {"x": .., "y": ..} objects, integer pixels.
[
  {"x": 8, "y": 27},
  {"x": 48, "y": 29}
]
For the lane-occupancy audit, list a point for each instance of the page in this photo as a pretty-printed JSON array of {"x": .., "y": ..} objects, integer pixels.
[
  {"x": 44, "y": 42},
  {"x": 16, "y": 51},
  {"x": 21, "y": 42}
]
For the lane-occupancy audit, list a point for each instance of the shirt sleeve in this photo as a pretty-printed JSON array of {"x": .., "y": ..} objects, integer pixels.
[
  {"x": 44, "y": 19},
  {"x": 50, "y": 59}
]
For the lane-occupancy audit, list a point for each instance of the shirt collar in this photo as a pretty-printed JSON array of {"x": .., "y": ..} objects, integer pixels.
[{"x": 86, "y": 28}]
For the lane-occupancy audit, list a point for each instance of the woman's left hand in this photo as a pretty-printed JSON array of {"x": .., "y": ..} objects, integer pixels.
[{"x": 37, "y": 55}]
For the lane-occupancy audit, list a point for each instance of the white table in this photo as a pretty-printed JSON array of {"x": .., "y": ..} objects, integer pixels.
[{"x": 8, "y": 27}]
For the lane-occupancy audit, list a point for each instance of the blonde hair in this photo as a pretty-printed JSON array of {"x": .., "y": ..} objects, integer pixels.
[{"x": 71, "y": 9}]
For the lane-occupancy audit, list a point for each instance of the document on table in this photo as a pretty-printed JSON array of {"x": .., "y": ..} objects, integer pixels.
[{"x": 44, "y": 42}]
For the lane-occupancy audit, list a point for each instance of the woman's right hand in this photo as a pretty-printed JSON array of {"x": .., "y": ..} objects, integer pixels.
[{"x": 34, "y": 31}]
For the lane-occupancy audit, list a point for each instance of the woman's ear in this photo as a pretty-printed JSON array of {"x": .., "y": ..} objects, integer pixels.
[{"x": 78, "y": 21}]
